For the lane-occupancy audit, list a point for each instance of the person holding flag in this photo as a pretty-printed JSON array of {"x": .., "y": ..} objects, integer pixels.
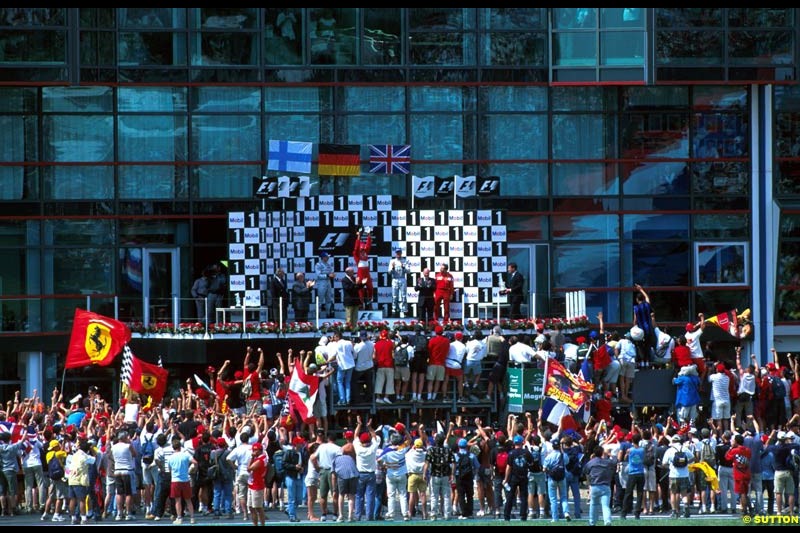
[{"x": 361, "y": 255}]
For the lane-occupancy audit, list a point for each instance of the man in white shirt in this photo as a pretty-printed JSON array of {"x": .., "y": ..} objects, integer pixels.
[
  {"x": 341, "y": 351},
  {"x": 363, "y": 373},
  {"x": 322, "y": 459},
  {"x": 453, "y": 365},
  {"x": 519, "y": 352},
  {"x": 720, "y": 397},
  {"x": 473, "y": 365}
]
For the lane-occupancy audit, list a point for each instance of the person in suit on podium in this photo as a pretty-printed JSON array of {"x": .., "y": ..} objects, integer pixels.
[{"x": 515, "y": 283}]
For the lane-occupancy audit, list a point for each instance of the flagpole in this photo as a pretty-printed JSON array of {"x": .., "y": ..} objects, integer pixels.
[
  {"x": 544, "y": 382},
  {"x": 63, "y": 377}
]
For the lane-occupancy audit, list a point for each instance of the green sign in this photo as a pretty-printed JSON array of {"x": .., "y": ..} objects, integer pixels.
[{"x": 524, "y": 389}]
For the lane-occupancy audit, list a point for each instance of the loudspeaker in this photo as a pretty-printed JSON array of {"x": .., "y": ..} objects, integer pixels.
[{"x": 653, "y": 387}]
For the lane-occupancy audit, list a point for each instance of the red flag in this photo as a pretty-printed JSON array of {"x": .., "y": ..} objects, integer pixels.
[
  {"x": 727, "y": 321},
  {"x": 303, "y": 392},
  {"x": 562, "y": 385},
  {"x": 95, "y": 340},
  {"x": 142, "y": 377}
]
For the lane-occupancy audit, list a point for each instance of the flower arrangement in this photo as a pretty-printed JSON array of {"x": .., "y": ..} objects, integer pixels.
[
  {"x": 160, "y": 327},
  {"x": 136, "y": 327}
]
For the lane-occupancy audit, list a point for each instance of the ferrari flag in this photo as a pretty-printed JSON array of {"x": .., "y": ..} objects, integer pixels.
[
  {"x": 562, "y": 385},
  {"x": 303, "y": 392},
  {"x": 95, "y": 340},
  {"x": 144, "y": 378}
]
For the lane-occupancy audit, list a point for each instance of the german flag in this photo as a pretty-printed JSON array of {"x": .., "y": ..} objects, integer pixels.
[{"x": 339, "y": 160}]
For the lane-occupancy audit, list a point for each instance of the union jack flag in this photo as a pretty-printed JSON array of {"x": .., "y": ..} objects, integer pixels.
[{"x": 389, "y": 158}]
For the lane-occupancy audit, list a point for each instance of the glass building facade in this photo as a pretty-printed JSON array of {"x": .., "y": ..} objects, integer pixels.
[{"x": 633, "y": 145}]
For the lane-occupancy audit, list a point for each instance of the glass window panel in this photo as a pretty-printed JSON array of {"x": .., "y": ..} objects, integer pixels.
[
  {"x": 147, "y": 99},
  {"x": 514, "y": 136},
  {"x": 647, "y": 261},
  {"x": 40, "y": 16},
  {"x": 441, "y": 99},
  {"x": 652, "y": 98},
  {"x": 716, "y": 135},
  {"x": 529, "y": 179},
  {"x": 293, "y": 127},
  {"x": 432, "y": 48},
  {"x": 151, "y": 17},
  {"x": 437, "y": 137},
  {"x": 579, "y": 136},
  {"x": 575, "y": 49},
  {"x": 19, "y": 183},
  {"x": 426, "y": 19},
  {"x": 583, "y": 99},
  {"x": 365, "y": 129},
  {"x": 499, "y": 99},
  {"x": 226, "y": 138},
  {"x": 622, "y": 17},
  {"x": 79, "y": 232},
  {"x": 381, "y": 40},
  {"x": 79, "y": 183},
  {"x": 77, "y": 99},
  {"x": 650, "y": 227},
  {"x": 528, "y": 227},
  {"x": 227, "y": 18},
  {"x": 761, "y": 47},
  {"x": 381, "y": 99},
  {"x": 152, "y": 48},
  {"x": 512, "y": 18},
  {"x": 755, "y": 17},
  {"x": 622, "y": 48},
  {"x": 18, "y": 234},
  {"x": 283, "y": 42},
  {"x": 585, "y": 179},
  {"x": 39, "y": 46},
  {"x": 574, "y": 17},
  {"x": 787, "y": 134},
  {"x": 689, "y": 16},
  {"x": 721, "y": 263},
  {"x": 153, "y": 181},
  {"x": 97, "y": 48},
  {"x": 152, "y": 138},
  {"x": 515, "y": 49},
  {"x": 81, "y": 270},
  {"x": 570, "y": 268},
  {"x": 720, "y": 98},
  {"x": 787, "y": 178},
  {"x": 225, "y": 181},
  {"x": 660, "y": 178},
  {"x": 655, "y": 135},
  {"x": 18, "y": 99},
  {"x": 434, "y": 169},
  {"x": 297, "y": 99},
  {"x": 332, "y": 34},
  {"x": 712, "y": 302},
  {"x": 721, "y": 226},
  {"x": 790, "y": 227},
  {"x": 588, "y": 227},
  {"x": 78, "y": 137},
  {"x": 17, "y": 138},
  {"x": 787, "y": 98},
  {"x": 226, "y": 100},
  {"x": 218, "y": 48},
  {"x": 720, "y": 178},
  {"x": 689, "y": 48}
]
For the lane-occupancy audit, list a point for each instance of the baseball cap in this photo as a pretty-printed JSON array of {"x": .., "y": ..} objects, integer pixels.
[
  {"x": 592, "y": 334},
  {"x": 398, "y": 251},
  {"x": 462, "y": 443},
  {"x": 238, "y": 374},
  {"x": 581, "y": 339},
  {"x": 518, "y": 439},
  {"x": 689, "y": 327},
  {"x": 418, "y": 443},
  {"x": 438, "y": 330},
  {"x": 720, "y": 367},
  {"x": 675, "y": 438},
  {"x": 324, "y": 254},
  {"x": 498, "y": 434},
  {"x": 459, "y": 336},
  {"x": 348, "y": 434},
  {"x": 53, "y": 445},
  {"x": 399, "y": 427},
  {"x": 257, "y": 447},
  {"x": 609, "y": 395},
  {"x": 365, "y": 438},
  {"x": 298, "y": 441}
]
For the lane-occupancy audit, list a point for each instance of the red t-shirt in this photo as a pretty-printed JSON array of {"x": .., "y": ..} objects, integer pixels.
[
  {"x": 255, "y": 385},
  {"x": 739, "y": 473},
  {"x": 256, "y": 480},
  {"x": 438, "y": 348},
  {"x": 384, "y": 353},
  {"x": 681, "y": 356},
  {"x": 602, "y": 410},
  {"x": 794, "y": 391}
]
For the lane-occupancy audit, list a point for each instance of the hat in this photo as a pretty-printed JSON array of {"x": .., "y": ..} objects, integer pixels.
[
  {"x": 297, "y": 441},
  {"x": 257, "y": 447},
  {"x": 660, "y": 427},
  {"x": 764, "y": 438},
  {"x": 720, "y": 367},
  {"x": 693, "y": 430},
  {"x": 238, "y": 374},
  {"x": 348, "y": 434},
  {"x": 462, "y": 443},
  {"x": 418, "y": 443},
  {"x": 400, "y": 427},
  {"x": 581, "y": 339},
  {"x": 384, "y": 334},
  {"x": 499, "y": 434},
  {"x": 675, "y": 438},
  {"x": 592, "y": 334},
  {"x": 459, "y": 336},
  {"x": 689, "y": 327},
  {"x": 438, "y": 330},
  {"x": 365, "y": 438},
  {"x": 398, "y": 251},
  {"x": 273, "y": 372},
  {"x": 609, "y": 395},
  {"x": 555, "y": 441},
  {"x": 518, "y": 439},
  {"x": 705, "y": 433},
  {"x": 312, "y": 368},
  {"x": 771, "y": 366},
  {"x": 324, "y": 254},
  {"x": 363, "y": 334},
  {"x": 782, "y": 435},
  {"x": 53, "y": 445}
]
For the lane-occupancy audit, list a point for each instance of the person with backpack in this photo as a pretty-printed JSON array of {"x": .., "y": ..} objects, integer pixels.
[
  {"x": 600, "y": 470},
  {"x": 403, "y": 352},
  {"x": 466, "y": 470},
  {"x": 54, "y": 469},
  {"x": 677, "y": 458},
  {"x": 705, "y": 453},
  {"x": 650, "y": 480},
  {"x": 147, "y": 443},
  {"x": 515, "y": 480},
  {"x": 222, "y": 502},
  {"x": 786, "y": 452},
  {"x": 537, "y": 481},
  {"x": 574, "y": 451},
  {"x": 555, "y": 468},
  {"x": 636, "y": 468},
  {"x": 419, "y": 362},
  {"x": 498, "y": 458},
  {"x": 740, "y": 455},
  {"x": 439, "y": 461}
]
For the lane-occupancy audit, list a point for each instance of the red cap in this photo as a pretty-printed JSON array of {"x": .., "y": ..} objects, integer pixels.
[
  {"x": 348, "y": 434},
  {"x": 257, "y": 447},
  {"x": 365, "y": 438},
  {"x": 459, "y": 335},
  {"x": 689, "y": 327},
  {"x": 298, "y": 441},
  {"x": 384, "y": 334},
  {"x": 211, "y": 370},
  {"x": 581, "y": 340},
  {"x": 770, "y": 366},
  {"x": 720, "y": 367},
  {"x": 498, "y": 434},
  {"x": 238, "y": 374},
  {"x": 438, "y": 330},
  {"x": 400, "y": 427},
  {"x": 609, "y": 395}
]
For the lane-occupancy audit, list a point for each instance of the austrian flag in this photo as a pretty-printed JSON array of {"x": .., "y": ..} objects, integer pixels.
[{"x": 303, "y": 392}]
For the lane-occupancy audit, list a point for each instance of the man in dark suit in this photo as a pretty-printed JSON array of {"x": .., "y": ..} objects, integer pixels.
[
  {"x": 426, "y": 286},
  {"x": 279, "y": 291},
  {"x": 351, "y": 295},
  {"x": 515, "y": 283}
]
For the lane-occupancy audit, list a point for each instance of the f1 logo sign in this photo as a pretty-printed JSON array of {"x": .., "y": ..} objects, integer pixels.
[
  {"x": 334, "y": 240},
  {"x": 369, "y": 316},
  {"x": 489, "y": 186},
  {"x": 425, "y": 186},
  {"x": 445, "y": 187}
]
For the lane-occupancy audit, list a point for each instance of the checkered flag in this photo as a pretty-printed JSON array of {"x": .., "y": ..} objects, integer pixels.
[{"x": 127, "y": 365}]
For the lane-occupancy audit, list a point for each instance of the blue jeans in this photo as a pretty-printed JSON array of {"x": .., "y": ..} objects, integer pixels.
[
  {"x": 343, "y": 378},
  {"x": 294, "y": 492},
  {"x": 223, "y": 497},
  {"x": 365, "y": 494},
  {"x": 574, "y": 486},
  {"x": 557, "y": 492},
  {"x": 599, "y": 498}
]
